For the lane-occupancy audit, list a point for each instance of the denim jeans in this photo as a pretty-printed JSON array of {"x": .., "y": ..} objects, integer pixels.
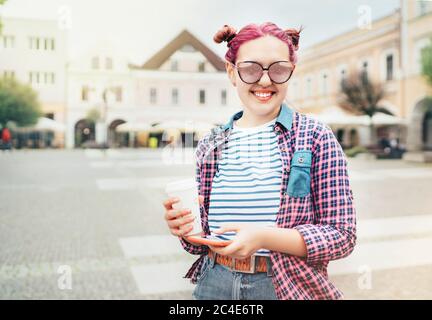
[{"x": 218, "y": 282}]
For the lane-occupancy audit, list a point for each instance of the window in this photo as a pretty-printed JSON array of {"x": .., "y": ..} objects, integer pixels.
[
  {"x": 8, "y": 41},
  {"x": 46, "y": 44},
  {"x": 35, "y": 77},
  {"x": 423, "y": 7},
  {"x": 174, "y": 96},
  {"x": 7, "y": 74},
  {"x": 308, "y": 87},
  {"x": 42, "y": 77},
  {"x": 32, "y": 43},
  {"x": 108, "y": 63},
  {"x": 153, "y": 95},
  {"x": 201, "y": 67},
  {"x": 364, "y": 69},
  {"x": 118, "y": 92},
  {"x": 224, "y": 97},
  {"x": 202, "y": 96},
  {"x": 389, "y": 67},
  {"x": 292, "y": 90},
  {"x": 324, "y": 84},
  {"x": 174, "y": 65},
  {"x": 95, "y": 63},
  {"x": 85, "y": 90},
  {"x": 343, "y": 76}
]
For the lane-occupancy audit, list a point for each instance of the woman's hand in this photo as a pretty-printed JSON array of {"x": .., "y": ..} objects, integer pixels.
[
  {"x": 247, "y": 241},
  {"x": 180, "y": 222}
]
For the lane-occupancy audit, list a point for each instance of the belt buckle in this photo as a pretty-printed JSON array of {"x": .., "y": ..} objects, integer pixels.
[{"x": 252, "y": 266}]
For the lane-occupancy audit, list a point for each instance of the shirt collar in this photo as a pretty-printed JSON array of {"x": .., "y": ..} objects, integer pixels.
[{"x": 285, "y": 118}]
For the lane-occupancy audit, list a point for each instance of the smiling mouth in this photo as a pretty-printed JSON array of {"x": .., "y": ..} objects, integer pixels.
[{"x": 263, "y": 96}]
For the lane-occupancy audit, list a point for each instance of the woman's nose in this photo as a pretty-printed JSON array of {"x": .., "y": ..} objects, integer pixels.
[{"x": 265, "y": 79}]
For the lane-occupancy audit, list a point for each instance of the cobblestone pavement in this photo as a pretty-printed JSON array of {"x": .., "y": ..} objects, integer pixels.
[{"x": 84, "y": 224}]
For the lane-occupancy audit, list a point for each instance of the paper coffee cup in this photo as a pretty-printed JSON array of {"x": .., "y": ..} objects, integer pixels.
[{"x": 186, "y": 190}]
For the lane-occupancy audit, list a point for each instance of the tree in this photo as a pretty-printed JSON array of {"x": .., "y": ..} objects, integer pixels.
[
  {"x": 362, "y": 96},
  {"x": 18, "y": 103},
  {"x": 426, "y": 62}
]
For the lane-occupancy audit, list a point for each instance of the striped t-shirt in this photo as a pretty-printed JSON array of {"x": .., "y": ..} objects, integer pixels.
[{"x": 246, "y": 188}]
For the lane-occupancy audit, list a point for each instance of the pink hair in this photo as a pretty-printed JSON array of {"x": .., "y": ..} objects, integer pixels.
[{"x": 253, "y": 31}]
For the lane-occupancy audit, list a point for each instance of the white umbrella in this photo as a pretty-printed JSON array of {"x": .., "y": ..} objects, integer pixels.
[
  {"x": 187, "y": 126},
  {"x": 49, "y": 124},
  {"x": 385, "y": 119},
  {"x": 335, "y": 116},
  {"x": 133, "y": 126}
]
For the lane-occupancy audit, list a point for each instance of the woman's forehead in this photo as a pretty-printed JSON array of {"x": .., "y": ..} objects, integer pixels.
[{"x": 263, "y": 50}]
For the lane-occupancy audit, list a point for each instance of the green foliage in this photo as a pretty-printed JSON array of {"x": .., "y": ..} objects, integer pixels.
[
  {"x": 355, "y": 151},
  {"x": 426, "y": 62},
  {"x": 18, "y": 103}
]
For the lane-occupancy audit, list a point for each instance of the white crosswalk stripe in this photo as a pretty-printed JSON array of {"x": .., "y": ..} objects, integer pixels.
[{"x": 369, "y": 254}]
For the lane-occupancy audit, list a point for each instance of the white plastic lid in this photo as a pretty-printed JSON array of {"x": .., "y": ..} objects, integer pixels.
[{"x": 180, "y": 185}]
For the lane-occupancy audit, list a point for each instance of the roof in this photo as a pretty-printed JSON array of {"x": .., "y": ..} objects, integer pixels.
[{"x": 185, "y": 37}]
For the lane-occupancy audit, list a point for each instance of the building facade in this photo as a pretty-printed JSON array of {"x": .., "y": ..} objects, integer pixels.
[
  {"x": 35, "y": 52},
  {"x": 389, "y": 51},
  {"x": 184, "y": 82}
]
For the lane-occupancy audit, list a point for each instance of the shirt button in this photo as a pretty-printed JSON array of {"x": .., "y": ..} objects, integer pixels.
[{"x": 300, "y": 160}]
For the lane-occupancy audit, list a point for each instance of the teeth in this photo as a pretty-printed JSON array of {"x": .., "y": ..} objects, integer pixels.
[{"x": 263, "y": 95}]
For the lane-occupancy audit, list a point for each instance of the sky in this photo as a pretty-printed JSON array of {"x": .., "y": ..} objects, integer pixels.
[{"x": 140, "y": 28}]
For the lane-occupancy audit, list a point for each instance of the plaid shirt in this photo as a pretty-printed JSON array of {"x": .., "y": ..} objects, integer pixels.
[{"x": 322, "y": 211}]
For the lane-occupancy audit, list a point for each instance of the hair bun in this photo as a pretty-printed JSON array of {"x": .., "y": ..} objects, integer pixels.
[
  {"x": 295, "y": 36},
  {"x": 227, "y": 33}
]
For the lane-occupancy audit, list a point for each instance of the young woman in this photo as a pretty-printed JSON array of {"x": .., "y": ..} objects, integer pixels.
[{"x": 272, "y": 180}]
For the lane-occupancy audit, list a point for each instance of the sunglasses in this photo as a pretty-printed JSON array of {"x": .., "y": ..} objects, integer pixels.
[{"x": 250, "y": 72}]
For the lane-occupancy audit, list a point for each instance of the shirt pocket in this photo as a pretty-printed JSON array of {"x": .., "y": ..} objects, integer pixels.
[{"x": 299, "y": 179}]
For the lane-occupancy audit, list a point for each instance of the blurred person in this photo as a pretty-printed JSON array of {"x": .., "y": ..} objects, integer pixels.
[
  {"x": 6, "y": 138},
  {"x": 272, "y": 180}
]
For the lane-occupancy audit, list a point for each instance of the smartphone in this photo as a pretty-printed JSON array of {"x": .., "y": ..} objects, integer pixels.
[{"x": 208, "y": 240}]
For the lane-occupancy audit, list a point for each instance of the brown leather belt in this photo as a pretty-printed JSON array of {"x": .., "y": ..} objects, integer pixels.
[{"x": 252, "y": 264}]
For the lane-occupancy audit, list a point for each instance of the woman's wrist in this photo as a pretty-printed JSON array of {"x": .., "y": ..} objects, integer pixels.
[{"x": 282, "y": 240}]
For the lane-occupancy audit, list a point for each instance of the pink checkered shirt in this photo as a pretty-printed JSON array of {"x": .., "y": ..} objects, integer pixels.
[{"x": 325, "y": 217}]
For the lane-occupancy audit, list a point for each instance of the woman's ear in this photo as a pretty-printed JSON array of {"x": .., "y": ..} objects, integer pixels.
[{"x": 230, "y": 72}]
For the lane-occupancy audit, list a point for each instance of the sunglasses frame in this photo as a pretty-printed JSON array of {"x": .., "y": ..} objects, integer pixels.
[{"x": 262, "y": 71}]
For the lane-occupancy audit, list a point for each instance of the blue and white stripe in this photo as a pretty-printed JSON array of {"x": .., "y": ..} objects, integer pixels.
[{"x": 246, "y": 187}]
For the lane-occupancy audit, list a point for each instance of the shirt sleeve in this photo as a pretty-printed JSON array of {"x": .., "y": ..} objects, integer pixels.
[
  {"x": 333, "y": 234},
  {"x": 193, "y": 249}
]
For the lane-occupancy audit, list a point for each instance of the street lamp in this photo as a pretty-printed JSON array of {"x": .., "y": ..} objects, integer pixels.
[{"x": 101, "y": 125}]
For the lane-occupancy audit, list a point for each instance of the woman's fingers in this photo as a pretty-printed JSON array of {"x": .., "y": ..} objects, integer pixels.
[
  {"x": 174, "y": 213},
  {"x": 169, "y": 202},
  {"x": 176, "y": 223},
  {"x": 182, "y": 230}
]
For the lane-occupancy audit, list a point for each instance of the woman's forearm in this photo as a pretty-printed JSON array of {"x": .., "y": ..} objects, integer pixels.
[{"x": 284, "y": 240}]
